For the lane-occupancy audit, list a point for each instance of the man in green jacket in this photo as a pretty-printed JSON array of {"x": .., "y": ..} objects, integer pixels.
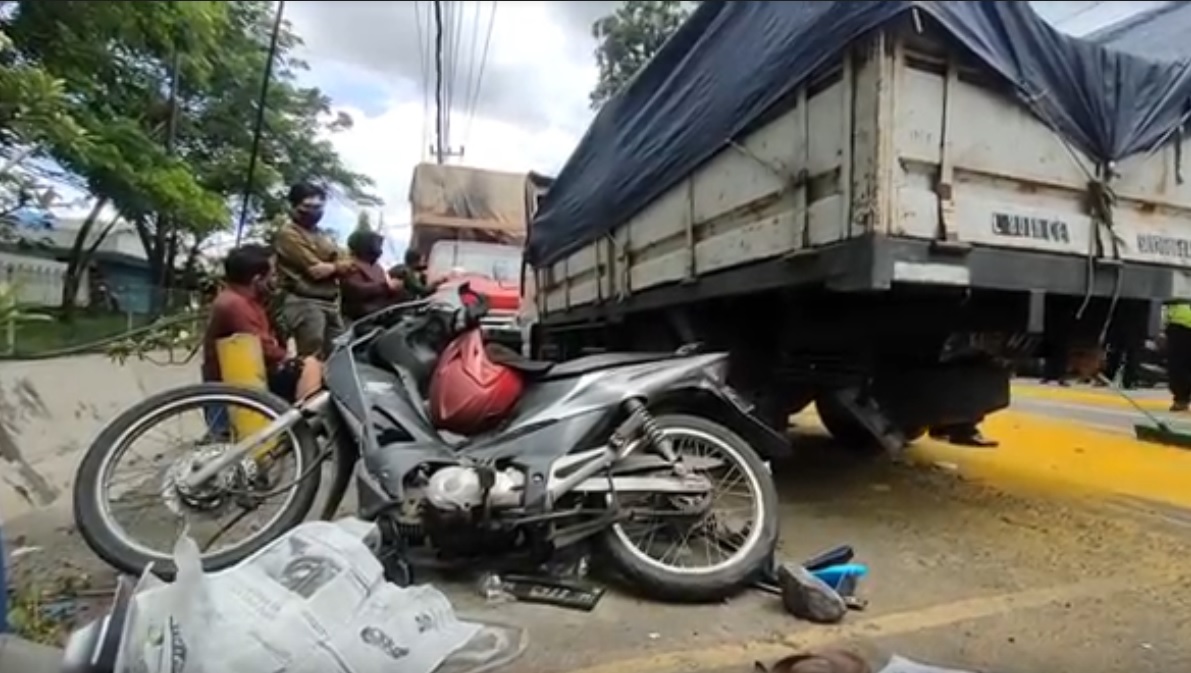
[
  {"x": 309, "y": 264},
  {"x": 412, "y": 274}
]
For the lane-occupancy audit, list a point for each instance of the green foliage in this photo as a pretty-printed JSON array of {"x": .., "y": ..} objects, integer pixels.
[
  {"x": 152, "y": 105},
  {"x": 31, "y": 609},
  {"x": 33, "y": 103},
  {"x": 629, "y": 37}
]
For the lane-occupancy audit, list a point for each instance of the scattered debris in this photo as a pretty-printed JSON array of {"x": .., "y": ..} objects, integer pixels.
[
  {"x": 901, "y": 665},
  {"x": 45, "y": 614},
  {"x": 807, "y": 597},
  {"x": 17, "y": 553},
  {"x": 826, "y": 661},
  {"x": 821, "y": 589}
]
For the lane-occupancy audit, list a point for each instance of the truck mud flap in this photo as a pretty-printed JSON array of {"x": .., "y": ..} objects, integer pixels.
[{"x": 867, "y": 414}]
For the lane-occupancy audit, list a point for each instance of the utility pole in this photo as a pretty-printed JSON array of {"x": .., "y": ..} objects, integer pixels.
[{"x": 440, "y": 149}]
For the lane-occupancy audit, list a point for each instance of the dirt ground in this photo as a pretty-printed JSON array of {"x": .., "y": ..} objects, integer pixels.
[{"x": 962, "y": 574}]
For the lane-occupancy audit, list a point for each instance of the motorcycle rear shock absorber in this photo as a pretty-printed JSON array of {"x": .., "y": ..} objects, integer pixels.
[{"x": 639, "y": 416}]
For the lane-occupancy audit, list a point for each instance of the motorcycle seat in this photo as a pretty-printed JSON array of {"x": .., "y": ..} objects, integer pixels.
[
  {"x": 503, "y": 355},
  {"x": 543, "y": 370}
]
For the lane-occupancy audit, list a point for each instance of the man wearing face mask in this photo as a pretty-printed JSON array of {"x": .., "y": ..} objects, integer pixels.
[
  {"x": 239, "y": 308},
  {"x": 309, "y": 264},
  {"x": 365, "y": 287}
]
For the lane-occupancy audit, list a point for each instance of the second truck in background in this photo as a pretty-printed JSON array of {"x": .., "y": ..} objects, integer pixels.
[{"x": 471, "y": 222}]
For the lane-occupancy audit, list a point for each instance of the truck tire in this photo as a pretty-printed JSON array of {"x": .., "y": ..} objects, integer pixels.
[
  {"x": 914, "y": 433},
  {"x": 850, "y": 433},
  {"x": 776, "y": 411},
  {"x": 843, "y": 428}
]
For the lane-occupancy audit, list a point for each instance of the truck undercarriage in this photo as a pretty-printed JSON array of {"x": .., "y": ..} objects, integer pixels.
[{"x": 891, "y": 336}]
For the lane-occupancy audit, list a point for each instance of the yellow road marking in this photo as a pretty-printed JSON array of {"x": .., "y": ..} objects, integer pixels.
[
  {"x": 892, "y": 624},
  {"x": 1056, "y": 455}
]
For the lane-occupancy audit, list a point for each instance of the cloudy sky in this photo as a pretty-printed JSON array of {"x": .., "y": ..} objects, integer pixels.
[
  {"x": 529, "y": 111},
  {"x": 531, "y": 107},
  {"x": 526, "y": 112}
]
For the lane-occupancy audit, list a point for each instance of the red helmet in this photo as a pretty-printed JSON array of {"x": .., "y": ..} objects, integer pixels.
[{"x": 469, "y": 393}]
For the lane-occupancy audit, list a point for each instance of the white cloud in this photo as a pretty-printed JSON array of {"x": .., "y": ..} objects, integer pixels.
[
  {"x": 388, "y": 145},
  {"x": 531, "y": 111}
]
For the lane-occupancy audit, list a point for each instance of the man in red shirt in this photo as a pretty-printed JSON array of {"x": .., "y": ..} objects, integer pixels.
[{"x": 240, "y": 309}]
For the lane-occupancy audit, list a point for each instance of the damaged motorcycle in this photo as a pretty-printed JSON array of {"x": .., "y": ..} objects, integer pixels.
[{"x": 465, "y": 452}]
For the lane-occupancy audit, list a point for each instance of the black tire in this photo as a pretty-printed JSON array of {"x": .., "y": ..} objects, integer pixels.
[
  {"x": 109, "y": 546},
  {"x": 719, "y": 584},
  {"x": 845, "y": 429},
  {"x": 776, "y": 411},
  {"x": 914, "y": 432}
]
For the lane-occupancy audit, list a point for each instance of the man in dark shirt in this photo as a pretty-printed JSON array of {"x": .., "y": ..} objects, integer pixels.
[
  {"x": 240, "y": 309},
  {"x": 365, "y": 288}
]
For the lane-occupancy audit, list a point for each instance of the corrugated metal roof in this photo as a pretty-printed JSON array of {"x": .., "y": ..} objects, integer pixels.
[{"x": 1164, "y": 32}]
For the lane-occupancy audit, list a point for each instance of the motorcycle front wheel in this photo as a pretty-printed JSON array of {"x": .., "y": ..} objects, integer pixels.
[
  {"x": 652, "y": 554},
  {"x": 288, "y": 474}
]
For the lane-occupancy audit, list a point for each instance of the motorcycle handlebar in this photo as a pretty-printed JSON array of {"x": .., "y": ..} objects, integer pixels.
[{"x": 470, "y": 308}]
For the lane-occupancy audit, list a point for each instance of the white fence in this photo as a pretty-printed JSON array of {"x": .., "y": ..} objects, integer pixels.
[{"x": 38, "y": 281}]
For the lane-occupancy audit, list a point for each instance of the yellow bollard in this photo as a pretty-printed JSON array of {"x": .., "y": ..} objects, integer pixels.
[{"x": 242, "y": 363}]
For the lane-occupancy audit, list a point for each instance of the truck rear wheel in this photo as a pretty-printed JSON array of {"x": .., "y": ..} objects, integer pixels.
[
  {"x": 850, "y": 433},
  {"x": 776, "y": 410},
  {"x": 843, "y": 427}
]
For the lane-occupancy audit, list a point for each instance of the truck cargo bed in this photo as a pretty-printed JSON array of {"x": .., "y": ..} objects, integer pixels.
[{"x": 902, "y": 162}]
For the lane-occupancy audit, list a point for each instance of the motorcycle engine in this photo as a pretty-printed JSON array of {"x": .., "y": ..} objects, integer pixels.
[{"x": 457, "y": 489}]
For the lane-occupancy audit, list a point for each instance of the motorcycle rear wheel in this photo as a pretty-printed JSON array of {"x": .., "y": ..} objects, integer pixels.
[
  {"x": 111, "y": 543},
  {"x": 690, "y": 585}
]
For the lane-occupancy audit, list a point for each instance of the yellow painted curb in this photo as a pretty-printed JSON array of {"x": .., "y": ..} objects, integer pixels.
[
  {"x": 1100, "y": 397},
  {"x": 1061, "y": 456}
]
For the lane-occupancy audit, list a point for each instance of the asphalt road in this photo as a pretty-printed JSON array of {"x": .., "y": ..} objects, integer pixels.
[
  {"x": 969, "y": 568},
  {"x": 1109, "y": 413}
]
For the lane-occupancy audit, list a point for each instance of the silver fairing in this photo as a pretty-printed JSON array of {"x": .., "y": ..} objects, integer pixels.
[{"x": 556, "y": 416}]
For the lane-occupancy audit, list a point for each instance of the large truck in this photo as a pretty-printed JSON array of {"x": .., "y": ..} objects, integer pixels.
[
  {"x": 876, "y": 207},
  {"x": 470, "y": 223}
]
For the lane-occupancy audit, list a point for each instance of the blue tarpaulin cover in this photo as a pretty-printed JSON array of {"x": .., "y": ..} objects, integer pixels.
[{"x": 732, "y": 62}]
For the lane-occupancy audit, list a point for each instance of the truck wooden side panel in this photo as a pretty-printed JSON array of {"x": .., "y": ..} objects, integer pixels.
[{"x": 898, "y": 138}]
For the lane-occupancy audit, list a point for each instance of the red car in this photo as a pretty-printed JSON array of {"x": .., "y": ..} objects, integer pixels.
[{"x": 492, "y": 269}]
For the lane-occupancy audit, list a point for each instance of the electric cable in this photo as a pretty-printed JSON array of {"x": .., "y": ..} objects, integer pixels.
[
  {"x": 422, "y": 25},
  {"x": 474, "y": 96},
  {"x": 439, "y": 146},
  {"x": 259, "y": 124}
]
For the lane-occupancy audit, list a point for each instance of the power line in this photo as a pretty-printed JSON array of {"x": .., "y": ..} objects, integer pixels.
[
  {"x": 455, "y": 33},
  {"x": 259, "y": 124},
  {"x": 477, "y": 84},
  {"x": 439, "y": 141},
  {"x": 424, "y": 62}
]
